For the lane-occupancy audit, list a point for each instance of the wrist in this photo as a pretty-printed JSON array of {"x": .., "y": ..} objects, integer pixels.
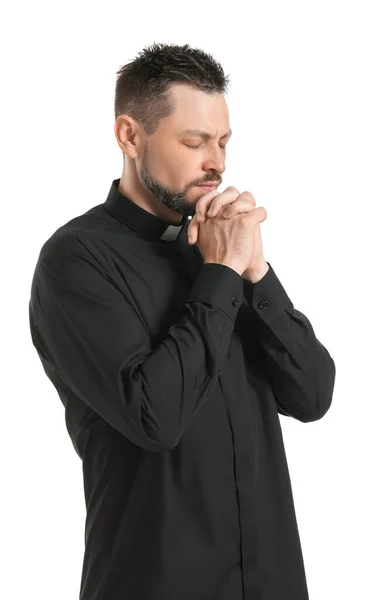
[{"x": 256, "y": 274}]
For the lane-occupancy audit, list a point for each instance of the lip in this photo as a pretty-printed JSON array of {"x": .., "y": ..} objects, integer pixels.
[{"x": 209, "y": 186}]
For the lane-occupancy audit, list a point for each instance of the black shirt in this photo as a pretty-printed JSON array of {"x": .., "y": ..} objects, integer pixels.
[{"x": 172, "y": 373}]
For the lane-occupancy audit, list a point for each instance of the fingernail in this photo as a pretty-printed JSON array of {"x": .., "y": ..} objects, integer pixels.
[
  {"x": 210, "y": 213},
  {"x": 199, "y": 217}
]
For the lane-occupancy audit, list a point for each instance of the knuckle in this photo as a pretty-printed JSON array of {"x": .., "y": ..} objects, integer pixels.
[
  {"x": 249, "y": 197},
  {"x": 231, "y": 191}
]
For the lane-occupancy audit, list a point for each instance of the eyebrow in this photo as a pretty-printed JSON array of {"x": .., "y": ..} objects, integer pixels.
[{"x": 204, "y": 134}]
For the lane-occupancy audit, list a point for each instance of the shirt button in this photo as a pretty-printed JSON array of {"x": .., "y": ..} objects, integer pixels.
[
  {"x": 263, "y": 303},
  {"x": 234, "y": 301}
]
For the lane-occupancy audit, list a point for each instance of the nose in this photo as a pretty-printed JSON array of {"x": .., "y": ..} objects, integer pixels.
[{"x": 215, "y": 162}]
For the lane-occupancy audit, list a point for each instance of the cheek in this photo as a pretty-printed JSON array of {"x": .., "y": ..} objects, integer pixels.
[{"x": 177, "y": 167}]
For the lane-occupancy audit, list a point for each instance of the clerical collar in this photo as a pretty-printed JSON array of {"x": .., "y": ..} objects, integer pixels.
[{"x": 138, "y": 218}]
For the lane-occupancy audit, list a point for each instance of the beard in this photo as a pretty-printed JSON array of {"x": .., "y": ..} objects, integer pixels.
[{"x": 177, "y": 201}]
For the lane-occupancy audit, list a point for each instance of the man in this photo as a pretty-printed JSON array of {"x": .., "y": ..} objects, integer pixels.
[{"x": 174, "y": 359}]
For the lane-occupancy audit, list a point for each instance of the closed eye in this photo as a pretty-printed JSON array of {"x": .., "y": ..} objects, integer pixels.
[{"x": 188, "y": 146}]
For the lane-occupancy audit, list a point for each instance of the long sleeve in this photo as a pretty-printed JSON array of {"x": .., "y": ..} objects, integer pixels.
[
  {"x": 299, "y": 368},
  {"x": 99, "y": 346}
]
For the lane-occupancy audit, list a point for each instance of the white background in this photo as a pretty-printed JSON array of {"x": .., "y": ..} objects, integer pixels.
[{"x": 299, "y": 103}]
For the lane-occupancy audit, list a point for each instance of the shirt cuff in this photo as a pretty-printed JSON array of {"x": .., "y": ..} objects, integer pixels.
[
  {"x": 219, "y": 285},
  {"x": 267, "y": 297}
]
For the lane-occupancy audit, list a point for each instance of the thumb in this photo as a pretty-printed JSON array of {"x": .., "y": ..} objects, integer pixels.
[{"x": 193, "y": 230}]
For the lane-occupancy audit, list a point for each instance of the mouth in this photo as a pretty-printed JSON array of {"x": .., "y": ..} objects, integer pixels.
[{"x": 208, "y": 186}]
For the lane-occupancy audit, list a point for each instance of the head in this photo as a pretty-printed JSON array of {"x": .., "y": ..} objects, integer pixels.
[{"x": 163, "y": 93}]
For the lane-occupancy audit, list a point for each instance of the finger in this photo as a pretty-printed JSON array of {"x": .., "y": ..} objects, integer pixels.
[
  {"x": 258, "y": 215},
  {"x": 240, "y": 206},
  {"x": 215, "y": 198},
  {"x": 230, "y": 210},
  {"x": 203, "y": 203},
  {"x": 225, "y": 198},
  {"x": 244, "y": 206},
  {"x": 230, "y": 194},
  {"x": 193, "y": 234},
  {"x": 193, "y": 230}
]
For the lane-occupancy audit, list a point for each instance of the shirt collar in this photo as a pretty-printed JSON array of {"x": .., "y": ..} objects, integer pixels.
[{"x": 138, "y": 218}]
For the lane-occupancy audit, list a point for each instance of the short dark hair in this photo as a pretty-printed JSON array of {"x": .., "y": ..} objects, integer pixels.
[{"x": 142, "y": 85}]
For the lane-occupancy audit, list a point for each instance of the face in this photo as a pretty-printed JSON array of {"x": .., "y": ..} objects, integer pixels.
[{"x": 174, "y": 163}]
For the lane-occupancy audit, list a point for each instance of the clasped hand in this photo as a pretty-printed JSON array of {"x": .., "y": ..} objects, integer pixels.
[{"x": 231, "y": 202}]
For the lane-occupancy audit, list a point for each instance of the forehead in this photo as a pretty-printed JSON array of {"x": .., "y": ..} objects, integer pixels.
[{"x": 198, "y": 113}]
